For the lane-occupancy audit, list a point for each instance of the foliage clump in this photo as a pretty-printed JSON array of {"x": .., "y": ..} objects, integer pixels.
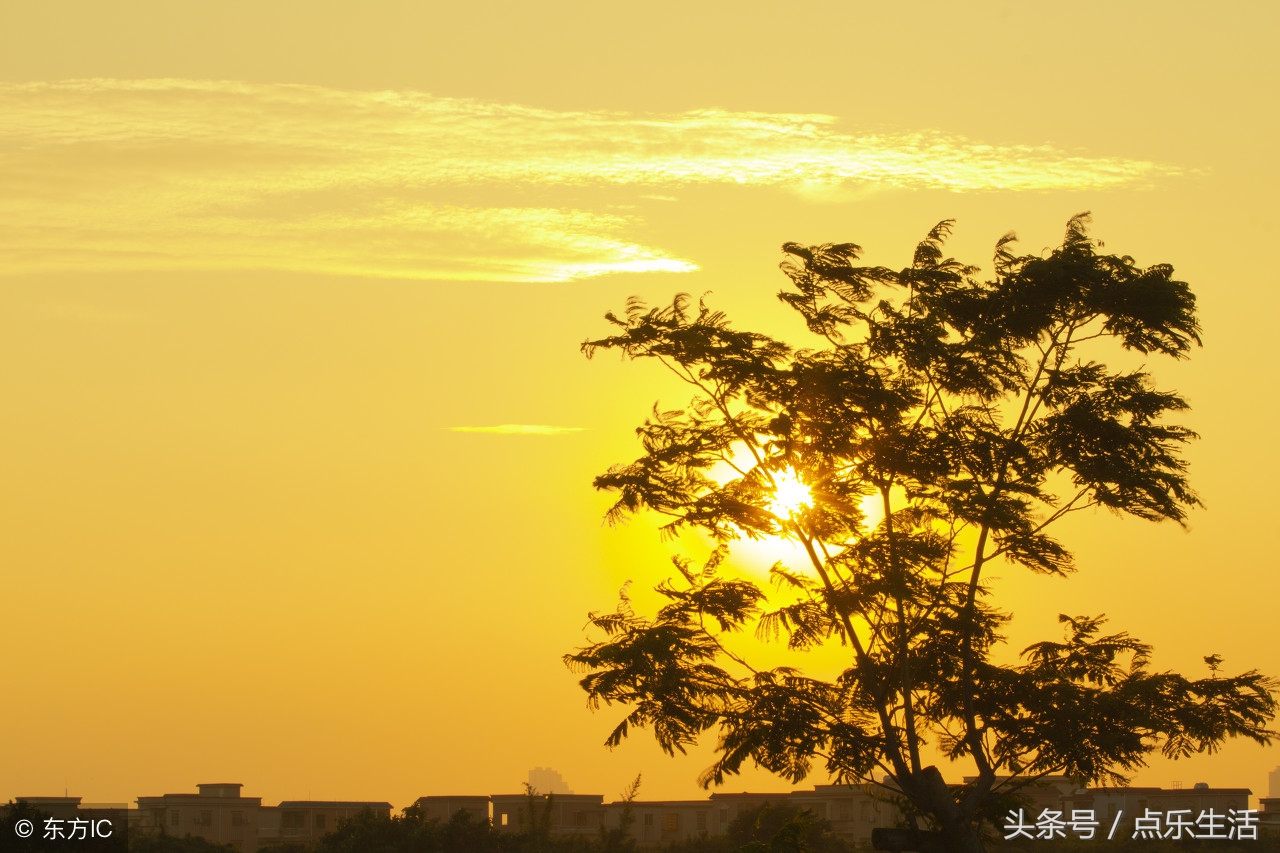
[{"x": 940, "y": 425}]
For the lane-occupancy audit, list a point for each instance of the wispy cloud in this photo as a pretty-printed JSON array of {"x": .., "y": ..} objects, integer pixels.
[
  {"x": 518, "y": 429},
  {"x": 206, "y": 174}
]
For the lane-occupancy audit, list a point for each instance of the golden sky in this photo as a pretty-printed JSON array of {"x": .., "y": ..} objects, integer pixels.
[{"x": 297, "y": 443}]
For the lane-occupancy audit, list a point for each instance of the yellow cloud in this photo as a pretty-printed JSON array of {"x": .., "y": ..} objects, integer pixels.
[
  {"x": 518, "y": 429},
  {"x": 162, "y": 174}
]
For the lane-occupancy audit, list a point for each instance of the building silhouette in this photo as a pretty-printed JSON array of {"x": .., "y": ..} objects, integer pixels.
[
  {"x": 1107, "y": 803},
  {"x": 442, "y": 809},
  {"x": 1270, "y": 804},
  {"x": 853, "y": 812},
  {"x": 218, "y": 813},
  {"x": 561, "y": 814}
]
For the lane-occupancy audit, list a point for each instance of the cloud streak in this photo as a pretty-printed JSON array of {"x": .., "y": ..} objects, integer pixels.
[{"x": 171, "y": 174}]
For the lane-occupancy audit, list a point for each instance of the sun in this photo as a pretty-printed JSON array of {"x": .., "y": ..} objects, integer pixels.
[
  {"x": 755, "y": 552},
  {"x": 790, "y": 495}
]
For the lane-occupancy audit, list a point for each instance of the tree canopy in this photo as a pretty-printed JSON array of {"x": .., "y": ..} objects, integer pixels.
[{"x": 934, "y": 426}]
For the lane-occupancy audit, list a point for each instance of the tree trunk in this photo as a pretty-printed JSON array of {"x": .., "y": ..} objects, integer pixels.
[
  {"x": 961, "y": 838},
  {"x": 957, "y": 834}
]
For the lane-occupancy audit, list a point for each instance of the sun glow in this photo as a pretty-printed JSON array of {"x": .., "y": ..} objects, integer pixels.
[{"x": 790, "y": 495}]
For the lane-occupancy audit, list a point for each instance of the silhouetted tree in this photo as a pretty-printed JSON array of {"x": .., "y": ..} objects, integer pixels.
[
  {"x": 163, "y": 843},
  {"x": 537, "y": 834},
  {"x": 783, "y": 828},
  {"x": 464, "y": 833},
  {"x": 617, "y": 839},
  {"x": 936, "y": 427},
  {"x": 24, "y": 827},
  {"x": 33, "y": 821},
  {"x": 369, "y": 831},
  {"x": 1264, "y": 843}
]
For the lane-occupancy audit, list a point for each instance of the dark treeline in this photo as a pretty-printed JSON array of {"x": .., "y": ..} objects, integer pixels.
[
  {"x": 765, "y": 829},
  {"x": 769, "y": 828},
  {"x": 1263, "y": 844}
]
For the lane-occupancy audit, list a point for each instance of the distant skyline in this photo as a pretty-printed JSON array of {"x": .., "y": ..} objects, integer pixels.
[
  {"x": 547, "y": 780},
  {"x": 544, "y": 781},
  {"x": 297, "y": 443}
]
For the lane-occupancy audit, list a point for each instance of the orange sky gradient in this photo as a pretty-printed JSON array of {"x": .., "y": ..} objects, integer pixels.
[{"x": 297, "y": 444}]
